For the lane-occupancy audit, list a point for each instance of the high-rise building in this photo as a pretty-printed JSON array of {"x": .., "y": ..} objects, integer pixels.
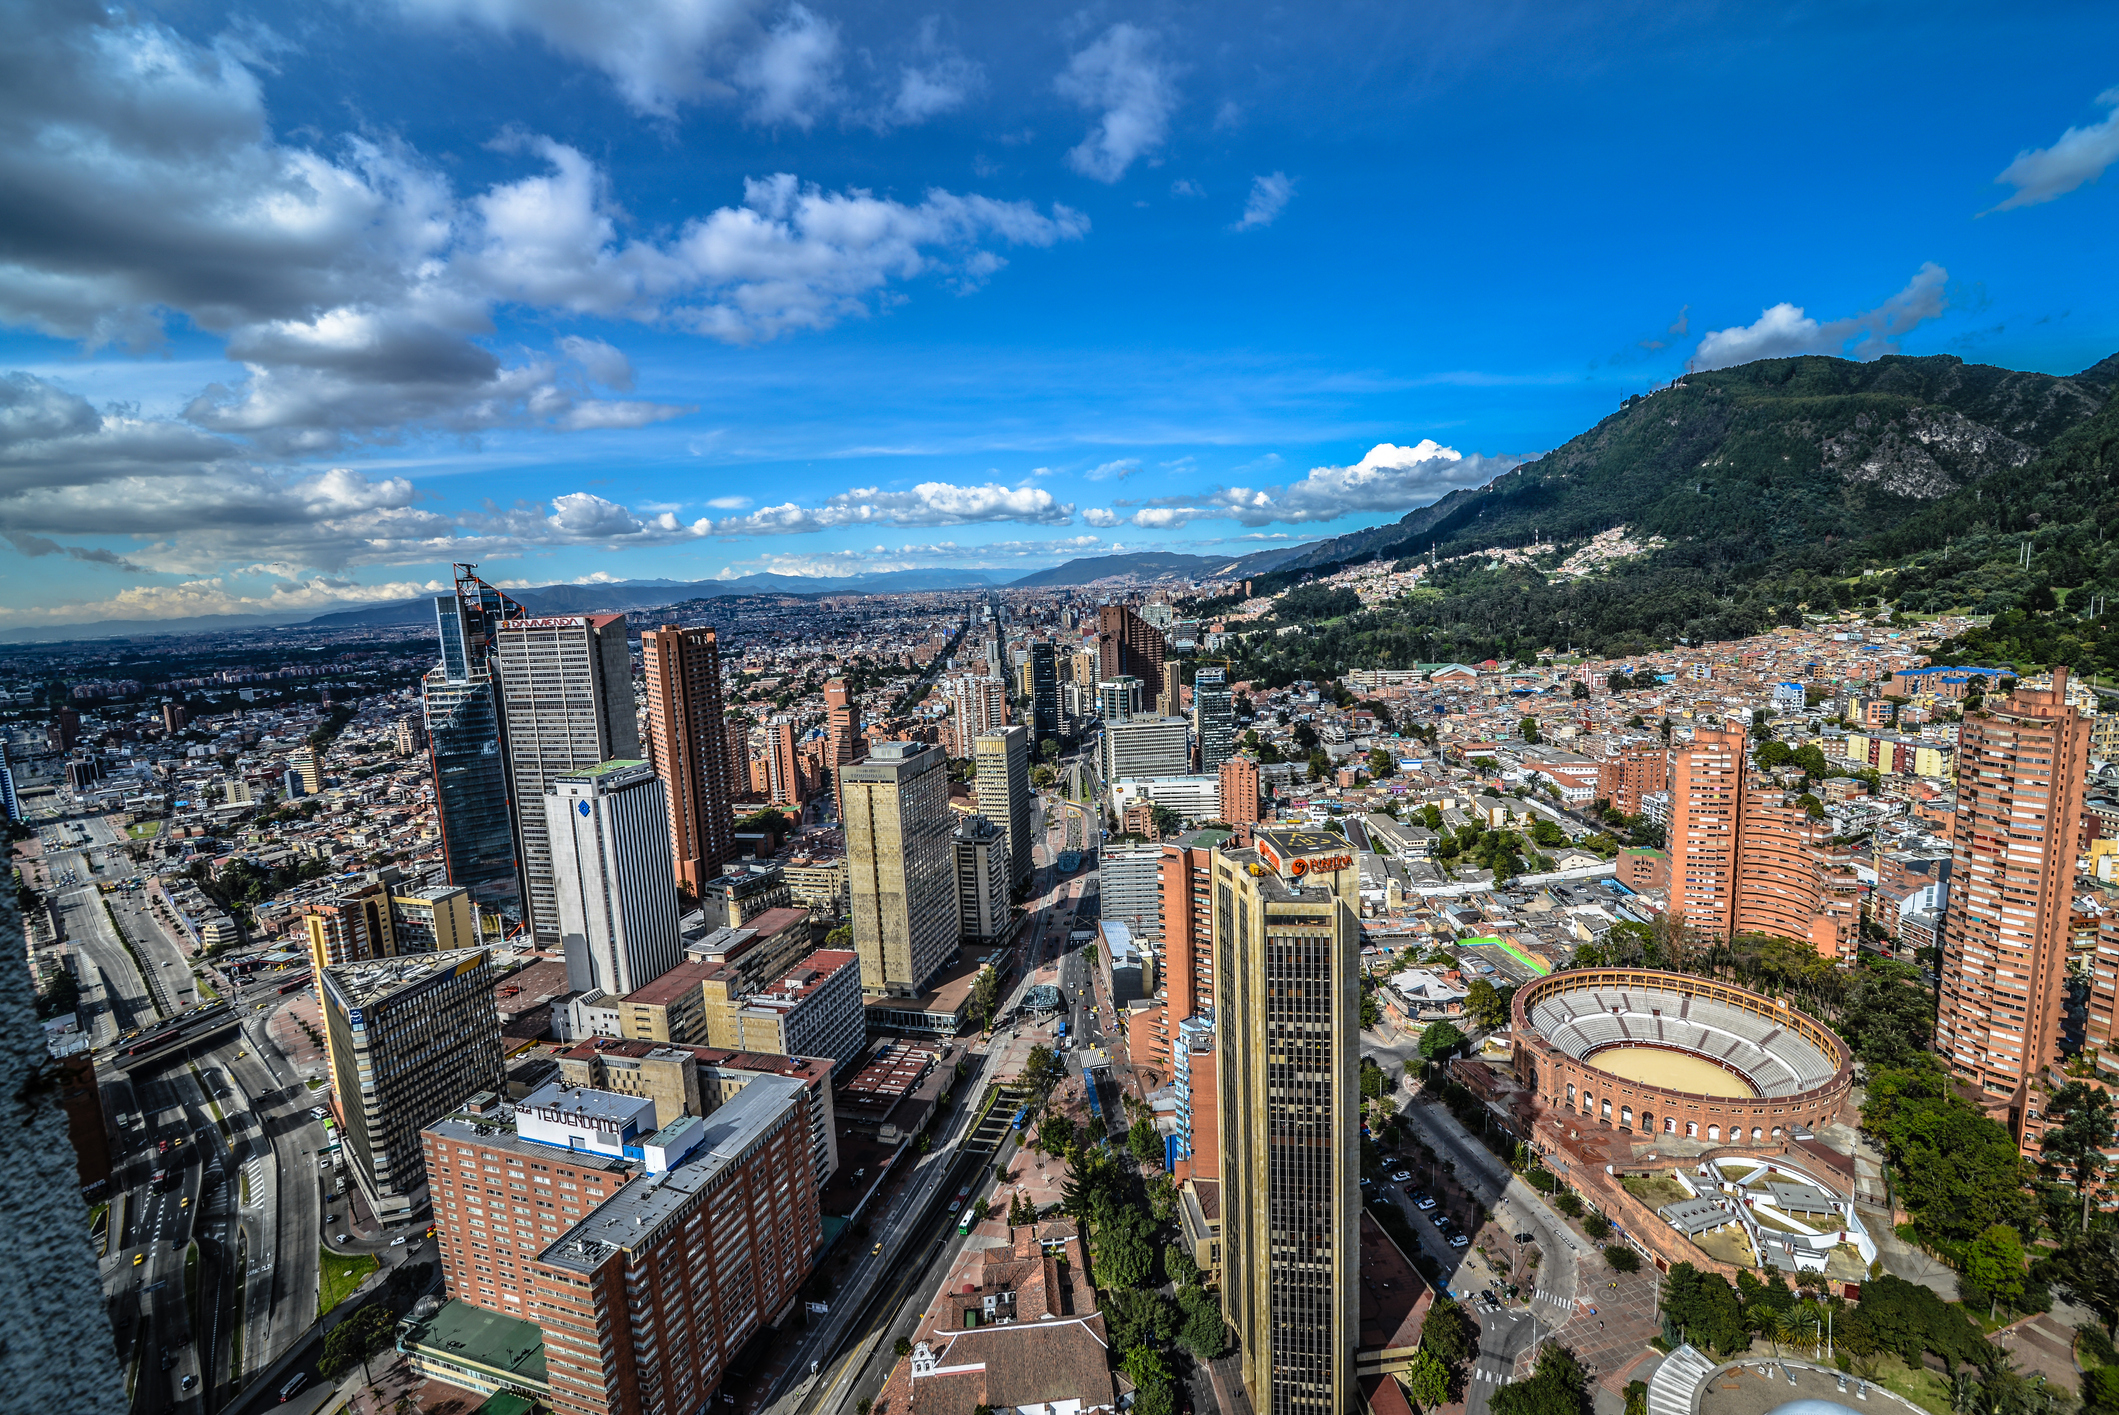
[
  {"x": 982, "y": 883},
  {"x": 466, "y": 745},
  {"x": 686, "y": 726},
  {"x": 1287, "y": 947},
  {"x": 811, "y": 1009},
  {"x": 785, "y": 781},
  {"x": 1146, "y": 746},
  {"x": 978, "y": 706},
  {"x": 1128, "y": 644},
  {"x": 2022, "y": 764},
  {"x": 9, "y": 801},
  {"x": 63, "y": 733},
  {"x": 1239, "y": 790},
  {"x": 736, "y": 731},
  {"x": 1636, "y": 770},
  {"x": 1118, "y": 699},
  {"x": 1170, "y": 692},
  {"x": 1744, "y": 856},
  {"x": 1003, "y": 792},
  {"x": 901, "y": 864},
  {"x": 175, "y": 717},
  {"x": 304, "y": 760},
  {"x": 1193, "y": 1082},
  {"x": 614, "y": 889},
  {"x": 842, "y": 726},
  {"x": 648, "y": 1257},
  {"x": 566, "y": 688},
  {"x": 1044, "y": 690},
  {"x": 411, "y": 1039},
  {"x": 1213, "y": 717},
  {"x": 411, "y": 736}
]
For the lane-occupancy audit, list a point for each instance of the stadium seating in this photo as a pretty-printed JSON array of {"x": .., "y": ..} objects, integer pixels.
[{"x": 1774, "y": 1058}]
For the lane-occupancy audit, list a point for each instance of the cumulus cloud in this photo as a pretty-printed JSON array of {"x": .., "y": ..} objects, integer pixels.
[
  {"x": 219, "y": 595},
  {"x": 1389, "y": 478},
  {"x": 1118, "y": 471},
  {"x": 602, "y": 363},
  {"x": 880, "y": 558},
  {"x": 1121, "y": 78},
  {"x": 2044, "y": 173},
  {"x": 1784, "y": 331},
  {"x": 1269, "y": 195},
  {"x": 1099, "y": 516},
  {"x": 936, "y": 79},
  {"x": 790, "y": 77}
]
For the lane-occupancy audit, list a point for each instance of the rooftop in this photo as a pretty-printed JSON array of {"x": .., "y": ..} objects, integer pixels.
[
  {"x": 474, "y": 1336},
  {"x": 378, "y": 978},
  {"x": 640, "y": 1208}
]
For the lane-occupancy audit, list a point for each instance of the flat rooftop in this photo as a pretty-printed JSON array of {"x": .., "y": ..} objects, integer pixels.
[
  {"x": 377, "y": 978},
  {"x": 475, "y": 1336},
  {"x": 639, "y": 1208}
]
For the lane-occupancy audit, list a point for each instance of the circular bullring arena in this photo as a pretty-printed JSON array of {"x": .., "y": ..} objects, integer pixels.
[{"x": 1672, "y": 1055}]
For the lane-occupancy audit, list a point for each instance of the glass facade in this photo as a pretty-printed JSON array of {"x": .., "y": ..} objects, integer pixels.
[{"x": 471, "y": 788}]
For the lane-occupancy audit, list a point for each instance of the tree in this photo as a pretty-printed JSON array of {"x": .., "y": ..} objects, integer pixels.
[
  {"x": 1597, "y": 1226},
  {"x": 1622, "y": 1258},
  {"x": 840, "y": 937},
  {"x": 1993, "y": 1268},
  {"x": 359, "y": 1337},
  {"x": 1145, "y": 1141},
  {"x": 1448, "y": 1332},
  {"x": 1558, "y": 1386},
  {"x": 1887, "y": 1021},
  {"x": 1957, "y": 1171},
  {"x": 2075, "y": 1147},
  {"x": 985, "y": 992},
  {"x": 1529, "y": 729},
  {"x": 2085, "y": 1270},
  {"x": 1041, "y": 1069},
  {"x": 1139, "y": 1318},
  {"x": 1203, "y": 1333},
  {"x": 1579, "y": 692},
  {"x": 1701, "y": 1307},
  {"x": 1569, "y": 1204},
  {"x": 1382, "y": 764},
  {"x": 1439, "y": 1039},
  {"x": 1428, "y": 1381},
  {"x": 1320, "y": 765}
]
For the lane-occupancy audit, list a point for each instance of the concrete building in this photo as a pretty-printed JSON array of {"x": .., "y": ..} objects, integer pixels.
[
  {"x": 1129, "y": 878},
  {"x": 615, "y": 891},
  {"x": 732, "y": 900},
  {"x": 687, "y": 726},
  {"x": 1213, "y": 718},
  {"x": 812, "y": 1009},
  {"x": 304, "y": 761},
  {"x": 2021, "y": 769},
  {"x": 901, "y": 864},
  {"x": 1287, "y": 1007},
  {"x": 410, "y": 1039},
  {"x": 1044, "y": 690},
  {"x": 647, "y": 1270},
  {"x": 1003, "y": 793},
  {"x": 984, "y": 917},
  {"x": 672, "y": 1008},
  {"x": 566, "y": 691},
  {"x": 1239, "y": 790},
  {"x": 1118, "y": 699},
  {"x": 1196, "y": 797},
  {"x": 1146, "y": 746}
]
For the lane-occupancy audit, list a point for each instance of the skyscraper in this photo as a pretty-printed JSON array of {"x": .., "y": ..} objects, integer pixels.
[
  {"x": 1044, "y": 690},
  {"x": 1213, "y": 717},
  {"x": 784, "y": 781},
  {"x": 2021, "y": 770},
  {"x": 842, "y": 725},
  {"x": 1128, "y": 644},
  {"x": 1170, "y": 693},
  {"x": 1287, "y": 946},
  {"x": 410, "y": 1040},
  {"x": 982, "y": 882},
  {"x": 616, "y": 891},
  {"x": 1706, "y": 805},
  {"x": 1003, "y": 790},
  {"x": 901, "y": 866},
  {"x": 687, "y": 725},
  {"x": 566, "y": 689},
  {"x": 466, "y": 746},
  {"x": 1118, "y": 699}
]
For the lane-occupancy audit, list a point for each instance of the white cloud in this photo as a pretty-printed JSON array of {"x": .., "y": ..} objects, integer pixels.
[
  {"x": 877, "y": 559},
  {"x": 1784, "y": 331},
  {"x": 937, "y": 80},
  {"x": 1120, "y": 77},
  {"x": 1269, "y": 196},
  {"x": 1186, "y": 187},
  {"x": 790, "y": 76},
  {"x": 1388, "y": 478},
  {"x": 2081, "y": 155},
  {"x": 730, "y": 503},
  {"x": 1119, "y": 470},
  {"x": 659, "y": 53},
  {"x": 1099, "y": 516},
  {"x": 602, "y": 363},
  {"x": 216, "y": 595}
]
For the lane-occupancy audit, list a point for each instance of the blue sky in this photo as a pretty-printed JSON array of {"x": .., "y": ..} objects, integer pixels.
[{"x": 298, "y": 304}]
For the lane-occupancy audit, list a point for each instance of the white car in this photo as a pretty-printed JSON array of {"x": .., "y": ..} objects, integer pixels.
[{"x": 397, "y": 1242}]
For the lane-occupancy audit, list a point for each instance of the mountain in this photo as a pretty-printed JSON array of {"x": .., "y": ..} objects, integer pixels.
[
  {"x": 1763, "y": 456},
  {"x": 1159, "y": 565}
]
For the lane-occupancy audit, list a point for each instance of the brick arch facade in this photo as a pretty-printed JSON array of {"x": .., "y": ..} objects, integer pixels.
[{"x": 1564, "y": 1084}]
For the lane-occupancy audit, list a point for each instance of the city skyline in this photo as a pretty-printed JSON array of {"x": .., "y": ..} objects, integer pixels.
[{"x": 506, "y": 284}]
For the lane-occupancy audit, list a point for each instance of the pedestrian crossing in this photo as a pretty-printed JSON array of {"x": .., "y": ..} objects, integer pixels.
[{"x": 1499, "y": 1378}]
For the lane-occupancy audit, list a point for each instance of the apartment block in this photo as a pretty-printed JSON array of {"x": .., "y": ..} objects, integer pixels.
[
  {"x": 983, "y": 881},
  {"x": 672, "y": 1008},
  {"x": 1239, "y": 791},
  {"x": 812, "y": 1009},
  {"x": 2022, "y": 763},
  {"x": 647, "y": 1259},
  {"x": 687, "y": 728},
  {"x": 410, "y": 1039}
]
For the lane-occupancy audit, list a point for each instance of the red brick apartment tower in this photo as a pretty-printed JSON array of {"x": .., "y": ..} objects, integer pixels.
[
  {"x": 2021, "y": 768},
  {"x": 686, "y": 734},
  {"x": 1638, "y": 769},
  {"x": 1706, "y": 806},
  {"x": 1239, "y": 790}
]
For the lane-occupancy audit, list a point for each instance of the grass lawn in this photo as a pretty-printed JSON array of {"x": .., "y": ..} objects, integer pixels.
[
  {"x": 143, "y": 830},
  {"x": 1924, "y": 1388},
  {"x": 341, "y": 1273},
  {"x": 1655, "y": 1190}
]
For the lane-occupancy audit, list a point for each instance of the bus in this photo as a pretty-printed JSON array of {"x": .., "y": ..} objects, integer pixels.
[{"x": 293, "y": 1386}]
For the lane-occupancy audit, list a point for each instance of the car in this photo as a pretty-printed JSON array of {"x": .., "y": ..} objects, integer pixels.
[
  {"x": 398, "y": 1242},
  {"x": 185, "y": 1202},
  {"x": 1423, "y": 1202},
  {"x": 1366, "y": 1181},
  {"x": 138, "y": 1258},
  {"x": 876, "y": 1252},
  {"x": 1401, "y": 1176},
  {"x": 341, "y": 1238},
  {"x": 1488, "y": 1294},
  {"x": 1458, "y": 1240},
  {"x": 1526, "y": 1238},
  {"x": 954, "y": 1205},
  {"x": 1439, "y": 1220}
]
